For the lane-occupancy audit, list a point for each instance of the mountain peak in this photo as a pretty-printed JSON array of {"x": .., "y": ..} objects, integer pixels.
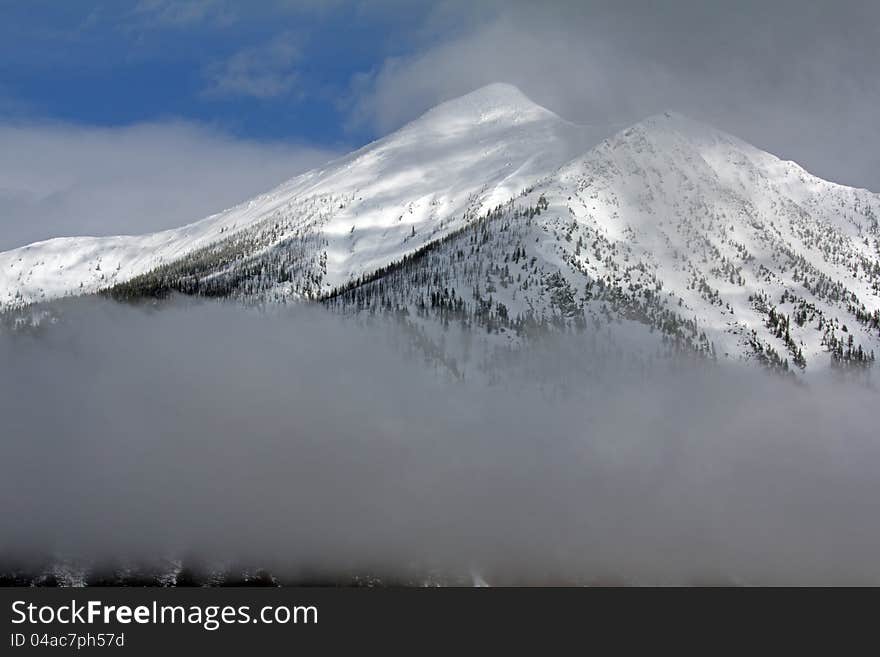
[
  {"x": 680, "y": 124},
  {"x": 499, "y": 101},
  {"x": 497, "y": 93},
  {"x": 668, "y": 133}
]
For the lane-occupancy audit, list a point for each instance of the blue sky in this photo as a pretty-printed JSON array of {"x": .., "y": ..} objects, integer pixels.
[{"x": 264, "y": 70}]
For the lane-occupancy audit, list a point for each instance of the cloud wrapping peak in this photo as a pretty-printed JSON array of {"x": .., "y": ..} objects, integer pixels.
[{"x": 796, "y": 80}]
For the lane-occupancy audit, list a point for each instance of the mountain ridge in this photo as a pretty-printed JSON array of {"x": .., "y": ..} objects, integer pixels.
[{"x": 669, "y": 223}]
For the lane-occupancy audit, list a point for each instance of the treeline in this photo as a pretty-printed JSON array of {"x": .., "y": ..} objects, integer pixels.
[
  {"x": 488, "y": 275},
  {"x": 238, "y": 267}
]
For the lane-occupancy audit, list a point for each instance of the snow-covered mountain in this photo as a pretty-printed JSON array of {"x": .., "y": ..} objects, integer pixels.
[
  {"x": 489, "y": 210},
  {"x": 363, "y": 210}
]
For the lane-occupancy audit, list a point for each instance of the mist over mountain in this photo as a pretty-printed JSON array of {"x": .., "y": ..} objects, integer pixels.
[{"x": 305, "y": 444}]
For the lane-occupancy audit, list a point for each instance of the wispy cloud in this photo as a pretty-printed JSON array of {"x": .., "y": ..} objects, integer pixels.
[
  {"x": 264, "y": 71},
  {"x": 183, "y": 13}
]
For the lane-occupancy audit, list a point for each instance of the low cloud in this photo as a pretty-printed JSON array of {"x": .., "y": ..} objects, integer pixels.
[
  {"x": 61, "y": 180},
  {"x": 302, "y": 441}
]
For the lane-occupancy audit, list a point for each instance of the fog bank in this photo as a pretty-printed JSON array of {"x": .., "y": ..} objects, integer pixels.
[{"x": 302, "y": 440}]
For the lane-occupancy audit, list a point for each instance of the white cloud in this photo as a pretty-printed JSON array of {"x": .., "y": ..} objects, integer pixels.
[
  {"x": 59, "y": 180},
  {"x": 263, "y": 71},
  {"x": 555, "y": 70}
]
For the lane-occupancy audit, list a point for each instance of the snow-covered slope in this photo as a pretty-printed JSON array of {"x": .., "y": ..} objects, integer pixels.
[
  {"x": 759, "y": 252},
  {"x": 365, "y": 209},
  {"x": 711, "y": 243},
  {"x": 489, "y": 210}
]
